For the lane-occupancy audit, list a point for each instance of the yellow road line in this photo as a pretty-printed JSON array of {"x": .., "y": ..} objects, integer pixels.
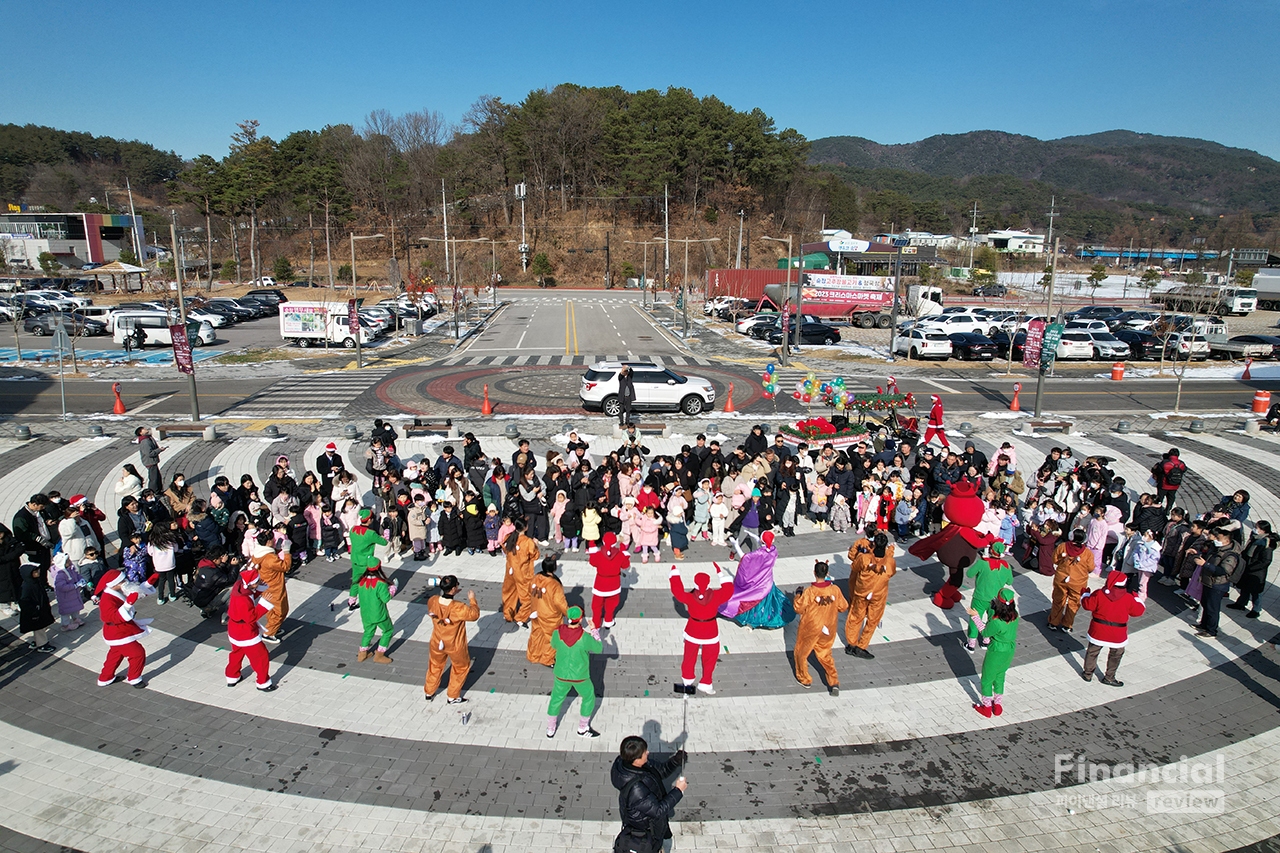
[
  {"x": 573, "y": 312},
  {"x": 566, "y": 327}
]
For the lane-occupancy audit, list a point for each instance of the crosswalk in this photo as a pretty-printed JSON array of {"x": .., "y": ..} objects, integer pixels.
[
  {"x": 570, "y": 360},
  {"x": 569, "y": 297},
  {"x": 320, "y": 395}
]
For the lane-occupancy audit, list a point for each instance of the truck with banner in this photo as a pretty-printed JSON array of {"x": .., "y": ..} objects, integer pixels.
[
  {"x": 861, "y": 300},
  {"x": 312, "y": 323}
]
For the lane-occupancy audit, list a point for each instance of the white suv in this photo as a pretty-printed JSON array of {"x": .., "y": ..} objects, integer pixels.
[
  {"x": 951, "y": 323},
  {"x": 657, "y": 389}
]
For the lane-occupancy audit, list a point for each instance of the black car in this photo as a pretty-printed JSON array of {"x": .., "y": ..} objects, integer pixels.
[
  {"x": 1143, "y": 346},
  {"x": 260, "y": 308},
  {"x": 810, "y": 333},
  {"x": 1095, "y": 312},
  {"x": 1122, "y": 319},
  {"x": 970, "y": 346},
  {"x": 1258, "y": 339},
  {"x": 990, "y": 290},
  {"x": 43, "y": 324},
  {"x": 269, "y": 295},
  {"x": 1001, "y": 341},
  {"x": 231, "y": 308}
]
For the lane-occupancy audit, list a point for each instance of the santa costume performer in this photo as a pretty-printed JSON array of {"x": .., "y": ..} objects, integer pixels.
[
  {"x": 701, "y": 631},
  {"x": 1112, "y": 608},
  {"x": 121, "y": 629},
  {"x": 246, "y": 608},
  {"x": 936, "y": 426},
  {"x": 610, "y": 562}
]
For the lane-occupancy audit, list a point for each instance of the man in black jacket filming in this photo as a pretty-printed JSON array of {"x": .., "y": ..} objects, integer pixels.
[{"x": 644, "y": 802}]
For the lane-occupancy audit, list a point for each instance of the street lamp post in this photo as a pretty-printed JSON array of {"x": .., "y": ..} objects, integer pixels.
[
  {"x": 785, "y": 352},
  {"x": 182, "y": 318},
  {"x": 644, "y": 274},
  {"x": 898, "y": 243},
  {"x": 684, "y": 283},
  {"x": 357, "y": 333}
]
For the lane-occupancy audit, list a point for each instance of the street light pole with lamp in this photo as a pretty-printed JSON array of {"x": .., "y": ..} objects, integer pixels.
[
  {"x": 684, "y": 283},
  {"x": 357, "y": 332},
  {"x": 785, "y": 352}
]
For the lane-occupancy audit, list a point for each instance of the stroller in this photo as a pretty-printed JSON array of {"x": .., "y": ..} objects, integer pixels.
[{"x": 206, "y": 589}]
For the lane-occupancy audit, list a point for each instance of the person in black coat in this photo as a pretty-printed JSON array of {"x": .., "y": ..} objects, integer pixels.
[
  {"x": 453, "y": 532},
  {"x": 328, "y": 465},
  {"x": 473, "y": 525},
  {"x": 755, "y": 443},
  {"x": 10, "y": 575},
  {"x": 1253, "y": 576},
  {"x": 33, "y": 602},
  {"x": 626, "y": 395},
  {"x": 644, "y": 802}
]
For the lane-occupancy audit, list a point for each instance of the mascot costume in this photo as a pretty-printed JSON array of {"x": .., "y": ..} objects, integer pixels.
[{"x": 958, "y": 543}]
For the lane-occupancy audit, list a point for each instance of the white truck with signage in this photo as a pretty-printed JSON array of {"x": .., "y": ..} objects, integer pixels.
[
  {"x": 861, "y": 300},
  {"x": 312, "y": 323}
]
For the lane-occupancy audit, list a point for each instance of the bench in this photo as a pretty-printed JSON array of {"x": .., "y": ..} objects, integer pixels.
[
  {"x": 419, "y": 428},
  {"x": 207, "y": 432},
  {"x": 658, "y": 429},
  {"x": 1065, "y": 426}
]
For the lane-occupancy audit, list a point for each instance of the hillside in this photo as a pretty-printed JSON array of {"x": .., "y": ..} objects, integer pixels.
[{"x": 1133, "y": 168}]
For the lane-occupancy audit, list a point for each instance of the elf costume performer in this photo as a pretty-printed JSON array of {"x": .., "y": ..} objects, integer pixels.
[
  {"x": 573, "y": 648},
  {"x": 246, "y": 608},
  {"x": 364, "y": 539},
  {"x": 372, "y": 593},
  {"x": 958, "y": 543},
  {"x": 701, "y": 630},
  {"x": 609, "y": 561},
  {"x": 990, "y": 575},
  {"x": 1002, "y": 630},
  {"x": 935, "y": 424},
  {"x": 120, "y": 628},
  {"x": 1112, "y": 608}
]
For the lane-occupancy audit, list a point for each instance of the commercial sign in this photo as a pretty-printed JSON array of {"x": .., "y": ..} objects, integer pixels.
[
  {"x": 1035, "y": 340},
  {"x": 847, "y": 289},
  {"x": 182, "y": 349},
  {"x": 1052, "y": 337},
  {"x": 308, "y": 319},
  {"x": 847, "y": 247},
  {"x": 353, "y": 317}
]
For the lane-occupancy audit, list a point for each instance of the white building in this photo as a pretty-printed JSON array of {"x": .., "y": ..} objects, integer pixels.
[
  {"x": 1013, "y": 242},
  {"x": 941, "y": 242}
]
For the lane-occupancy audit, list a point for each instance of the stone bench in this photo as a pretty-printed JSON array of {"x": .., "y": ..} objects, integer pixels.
[
  {"x": 206, "y": 432},
  {"x": 659, "y": 429},
  {"x": 1032, "y": 425},
  {"x": 419, "y": 428}
]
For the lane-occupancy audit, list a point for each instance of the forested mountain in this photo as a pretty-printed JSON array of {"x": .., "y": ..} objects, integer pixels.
[{"x": 1120, "y": 165}]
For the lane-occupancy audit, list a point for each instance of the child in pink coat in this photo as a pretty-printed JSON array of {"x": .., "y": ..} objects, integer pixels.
[
  {"x": 627, "y": 514},
  {"x": 646, "y": 532},
  {"x": 557, "y": 509}
]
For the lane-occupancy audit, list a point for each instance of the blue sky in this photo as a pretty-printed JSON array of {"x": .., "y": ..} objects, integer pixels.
[{"x": 892, "y": 72}]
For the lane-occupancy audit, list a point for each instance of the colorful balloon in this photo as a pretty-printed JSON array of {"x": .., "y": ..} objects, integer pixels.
[{"x": 805, "y": 398}]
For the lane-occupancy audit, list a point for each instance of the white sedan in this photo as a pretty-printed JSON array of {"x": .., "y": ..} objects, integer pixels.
[
  {"x": 1075, "y": 344},
  {"x": 213, "y": 318},
  {"x": 923, "y": 343}
]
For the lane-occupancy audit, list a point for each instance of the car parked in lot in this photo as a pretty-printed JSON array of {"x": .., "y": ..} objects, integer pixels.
[
  {"x": 1143, "y": 346},
  {"x": 658, "y": 388},
  {"x": 923, "y": 343},
  {"x": 1094, "y": 312},
  {"x": 948, "y": 323},
  {"x": 204, "y": 314},
  {"x": 1108, "y": 346},
  {"x": 990, "y": 290},
  {"x": 1187, "y": 346},
  {"x": 773, "y": 322},
  {"x": 233, "y": 308},
  {"x": 810, "y": 333},
  {"x": 1001, "y": 340},
  {"x": 273, "y": 296},
  {"x": 1075, "y": 344},
  {"x": 1087, "y": 326},
  {"x": 1132, "y": 319},
  {"x": 1271, "y": 340},
  {"x": 43, "y": 324},
  {"x": 970, "y": 346}
]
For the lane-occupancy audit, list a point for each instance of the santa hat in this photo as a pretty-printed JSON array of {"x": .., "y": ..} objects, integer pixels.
[
  {"x": 77, "y": 500},
  {"x": 935, "y": 398},
  {"x": 331, "y": 446},
  {"x": 767, "y": 538},
  {"x": 1117, "y": 579},
  {"x": 113, "y": 577},
  {"x": 250, "y": 578}
]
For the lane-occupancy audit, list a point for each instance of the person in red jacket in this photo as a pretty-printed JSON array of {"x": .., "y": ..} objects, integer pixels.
[
  {"x": 935, "y": 426},
  {"x": 121, "y": 629},
  {"x": 245, "y": 610},
  {"x": 1112, "y": 608},
  {"x": 701, "y": 631},
  {"x": 609, "y": 562}
]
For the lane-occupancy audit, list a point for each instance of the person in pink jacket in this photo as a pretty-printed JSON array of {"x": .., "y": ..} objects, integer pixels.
[
  {"x": 558, "y": 506},
  {"x": 646, "y": 532},
  {"x": 627, "y": 514}
]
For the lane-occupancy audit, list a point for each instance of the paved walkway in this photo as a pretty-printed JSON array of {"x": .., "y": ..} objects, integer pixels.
[{"x": 348, "y": 757}]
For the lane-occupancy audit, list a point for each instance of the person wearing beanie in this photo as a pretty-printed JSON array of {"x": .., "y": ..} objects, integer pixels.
[
  {"x": 245, "y": 610},
  {"x": 329, "y": 465},
  {"x": 610, "y": 561},
  {"x": 990, "y": 573},
  {"x": 701, "y": 629},
  {"x": 364, "y": 538},
  {"x": 373, "y": 592},
  {"x": 1072, "y": 564},
  {"x": 272, "y": 566},
  {"x": 549, "y": 606},
  {"x": 449, "y": 620},
  {"x": 936, "y": 426},
  {"x": 1112, "y": 608},
  {"x": 573, "y": 647},
  {"x": 819, "y": 606},
  {"x": 121, "y": 628},
  {"x": 1001, "y": 632},
  {"x": 871, "y": 564}
]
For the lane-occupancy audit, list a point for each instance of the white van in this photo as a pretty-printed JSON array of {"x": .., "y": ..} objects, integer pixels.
[
  {"x": 156, "y": 326},
  {"x": 104, "y": 313}
]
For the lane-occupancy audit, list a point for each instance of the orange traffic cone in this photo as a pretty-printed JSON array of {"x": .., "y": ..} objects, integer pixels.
[
  {"x": 486, "y": 409},
  {"x": 1015, "y": 406},
  {"x": 118, "y": 408},
  {"x": 728, "y": 401},
  {"x": 1248, "y": 362}
]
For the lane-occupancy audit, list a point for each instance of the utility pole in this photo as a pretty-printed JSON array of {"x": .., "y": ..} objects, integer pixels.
[
  {"x": 521, "y": 192},
  {"x": 897, "y": 290},
  {"x": 666, "y": 234},
  {"x": 1128, "y": 268},
  {"x": 741, "y": 215},
  {"x": 1053, "y": 212},
  {"x": 1049, "y": 318},
  {"x": 973, "y": 235},
  {"x": 139, "y": 233},
  {"x": 608, "y": 268},
  {"x": 182, "y": 314}
]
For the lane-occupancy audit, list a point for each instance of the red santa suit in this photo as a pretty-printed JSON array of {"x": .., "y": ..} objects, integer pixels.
[
  {"x": 935, "y": 426},
  {"x": 121, "y": 629},
  {"x": 1112, "y": 608},
  {"x": 609, "y": 562},
  {"x": 702, "y": 630},
  {"x": 245, "y": 611}
]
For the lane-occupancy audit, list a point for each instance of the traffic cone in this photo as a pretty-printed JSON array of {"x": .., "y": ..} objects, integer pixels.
[
  {"x": 728, "y": 401},
  {"x": 1015, "y": 406},
  {"x": 486, "y": 409},
  {"x": 118, "y": 408},
  {"x": 1248, "y": 362}
]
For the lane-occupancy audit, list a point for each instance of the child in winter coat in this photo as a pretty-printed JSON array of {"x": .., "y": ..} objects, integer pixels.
[
  {"x": 299, "y": 534},
  {"x": 903, "y": 514},
  {"x": 434, "y": 513},
  {"x": 453, "y": 531},
  {"x": 330, "y": 533},
  {"x": 647, "y": 532},
  {"x": 838, "y": 516},
  {"x": 416, "y": 521},
  {"x": 492, "y": 524},
  {"x": 473, "y": 523},
  {"x": 91, "y": 568},
  {"x": 312, "y": 514},
  {"x": 819, "y": 502},
  {"x": 701, "y": 511},
  {"x": 719, "y": 513},
  {"x": 349, "y": 516},
  {"x": 556, "y": 512},
  {"x": 67, "y": 582},
  {"x": 571, "y": 526},
  {"x": 395, "y": 529},
  {"x": 219, "y": 510},
  {"x": 591, "y": 525},
  {"x": 867, "y": 505},
  {"x": 1146, "y": 559},
  {"x": 627, "y": 514},
  {"x": 505, "y": 529}
]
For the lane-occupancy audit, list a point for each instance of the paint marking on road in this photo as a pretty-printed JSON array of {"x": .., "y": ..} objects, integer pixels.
[
  {"x": 518, "y": 343},
  {"x": 150, "y": 403},
  {"x": 936, "y": 384}
]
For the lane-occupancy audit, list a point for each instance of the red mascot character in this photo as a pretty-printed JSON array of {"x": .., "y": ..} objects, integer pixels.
[{"x": 957, "y": 545}]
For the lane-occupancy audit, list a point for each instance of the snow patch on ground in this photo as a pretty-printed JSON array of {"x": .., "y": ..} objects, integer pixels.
[
  {"x": 1230, "y": 371},
  {"x": 1162, "y": 416},
  {"x": 1002, "y": 416}
]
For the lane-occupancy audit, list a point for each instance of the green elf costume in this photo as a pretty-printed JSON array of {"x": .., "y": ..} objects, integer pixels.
[
  {"x": 574, "y": 647},
  {"x": 1002, "y": 630},
  {"x": 373, "y": 592},
  {"x": 364, "y": 539},
  {"x": 990, "y": 575}
]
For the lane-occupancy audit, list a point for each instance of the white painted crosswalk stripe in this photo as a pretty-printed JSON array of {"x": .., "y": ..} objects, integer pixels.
[{"x": 322, "y": 395}]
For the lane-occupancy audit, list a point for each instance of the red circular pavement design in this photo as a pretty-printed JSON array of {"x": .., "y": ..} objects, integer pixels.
[{"x": 413, "y": 392}]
